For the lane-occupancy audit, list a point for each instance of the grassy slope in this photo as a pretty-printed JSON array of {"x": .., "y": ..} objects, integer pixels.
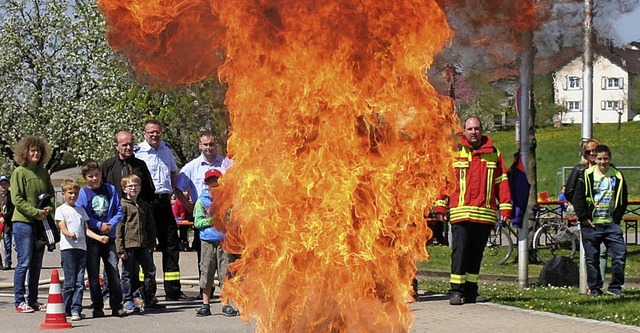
[{"x": 559, "y": 147}]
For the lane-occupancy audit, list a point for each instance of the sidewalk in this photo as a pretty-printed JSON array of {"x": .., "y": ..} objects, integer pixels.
[{"x": 432, "y": 313}]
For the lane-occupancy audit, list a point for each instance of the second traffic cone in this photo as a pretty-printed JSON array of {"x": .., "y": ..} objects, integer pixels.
[{"x": 55, "y": 319}]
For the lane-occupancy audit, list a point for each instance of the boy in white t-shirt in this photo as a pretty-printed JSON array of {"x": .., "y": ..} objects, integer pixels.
[{"x": 72, "y": 221}]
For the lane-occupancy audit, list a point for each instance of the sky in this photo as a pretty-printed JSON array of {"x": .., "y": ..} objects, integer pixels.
[{"x": 628, "y": 27}]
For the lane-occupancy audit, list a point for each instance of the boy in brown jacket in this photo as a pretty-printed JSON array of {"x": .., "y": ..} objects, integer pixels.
[{"x": 135, "y": 241}]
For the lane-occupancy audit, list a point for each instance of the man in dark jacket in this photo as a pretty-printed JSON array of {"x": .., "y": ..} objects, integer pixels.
[{"x": 600, "y": 201}]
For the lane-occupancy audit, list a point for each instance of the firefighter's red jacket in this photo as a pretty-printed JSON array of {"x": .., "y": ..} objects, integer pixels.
[{"x": 481, "y": 185}]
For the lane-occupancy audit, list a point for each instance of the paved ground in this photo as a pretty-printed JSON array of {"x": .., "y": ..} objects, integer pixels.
[{"x": 432, "y": 312}]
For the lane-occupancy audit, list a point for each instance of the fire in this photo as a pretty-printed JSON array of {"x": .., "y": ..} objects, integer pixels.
[{"x": 339, "y": 143}]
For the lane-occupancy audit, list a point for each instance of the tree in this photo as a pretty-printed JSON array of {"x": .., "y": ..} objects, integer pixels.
[
  {"x": 59, "y": 79},
  {"x": 546, "y": 108},
  {"x": 184, "y": 112},
  {"x": 484, "y": 100},
  {"x": 62, "y": 81}
]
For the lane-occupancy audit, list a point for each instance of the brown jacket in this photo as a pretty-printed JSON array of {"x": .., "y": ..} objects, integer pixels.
[{"x": 137, "y": 228}]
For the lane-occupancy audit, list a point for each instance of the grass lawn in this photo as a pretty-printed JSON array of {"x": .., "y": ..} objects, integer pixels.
[{"x": 566, "y": 301}]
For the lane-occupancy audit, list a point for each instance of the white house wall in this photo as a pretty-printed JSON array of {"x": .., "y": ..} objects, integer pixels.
[{"x": 604, "y": 100}]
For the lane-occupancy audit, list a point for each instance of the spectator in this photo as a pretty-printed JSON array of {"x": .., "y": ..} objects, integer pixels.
[
  {"x": 102, "y": 204},
  {"x": 473, "y": 208},
  {"x": 6, "y": 213},
  {"x": 600, "y": 201},
  {"x": 191, "y": 178},
  {"x": 588, "y": 159},
  {"x": 162, "y": 166},
  {"x": 72, "y": 221},
  {"x": 213, "y": 257},
  {"x": 180, "y": 213},
  {"x": 28, "y": 181},
  {"x": 135, "y": 241}
]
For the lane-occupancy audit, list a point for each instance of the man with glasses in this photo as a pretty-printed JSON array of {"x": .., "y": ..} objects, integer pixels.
[{"x": 164, "y": 170}]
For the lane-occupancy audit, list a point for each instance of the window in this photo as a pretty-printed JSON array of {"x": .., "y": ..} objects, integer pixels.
[
  {"x": 574, "y": 82},
  {"x": 612, "y": 83},
  {"x": 574, "y": 106},
  {"x": 612, "y": 105},
  {"x": 571, "y": 83}
]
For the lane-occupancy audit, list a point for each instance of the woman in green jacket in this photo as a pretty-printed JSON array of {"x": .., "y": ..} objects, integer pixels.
[{"x": 28, "y": 181}]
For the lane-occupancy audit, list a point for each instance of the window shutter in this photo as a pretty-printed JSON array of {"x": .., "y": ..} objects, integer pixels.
[
  {"x": 603, "y": 105},
  {"x": 604, "y": 83},
  {"x": 621, "y": 103},
  {"x": 565, "y": 82},
  {"x": 621, "y": 83}
]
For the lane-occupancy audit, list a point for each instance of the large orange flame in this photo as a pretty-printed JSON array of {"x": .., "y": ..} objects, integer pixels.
[{"x": 339, "y": 144}]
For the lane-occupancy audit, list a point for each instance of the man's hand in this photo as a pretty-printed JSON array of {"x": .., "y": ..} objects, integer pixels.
[
  {"x": 104, "y": 239},
  {"x": 105, "y": 228},
  {"x": 440, "y": 216},
  {"x": 123, "y": 256}
]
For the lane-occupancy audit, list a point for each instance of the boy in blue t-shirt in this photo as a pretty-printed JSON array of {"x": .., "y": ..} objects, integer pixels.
[
  {"x": 72, "y": 221},
  {"x": 102, "y": 204}
]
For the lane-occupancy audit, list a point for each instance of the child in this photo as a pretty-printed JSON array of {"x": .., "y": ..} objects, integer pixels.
[
  {"x": 135, "y": 241},
  {"x": 600, "y": 201},
  {"x": 102, "y": 204},
  {"x": 72, "y": 221},
  {"x": 213, "y": 258}
]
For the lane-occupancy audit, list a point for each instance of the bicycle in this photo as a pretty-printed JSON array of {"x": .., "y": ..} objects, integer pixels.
[
  {"x": 553, "y": 236},
  {"x": 499, "y": 245},
  {"x": 548, "y": 237}
]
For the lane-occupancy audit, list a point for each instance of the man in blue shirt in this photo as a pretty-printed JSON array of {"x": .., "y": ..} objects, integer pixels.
[{"x": 163, "y": 168}]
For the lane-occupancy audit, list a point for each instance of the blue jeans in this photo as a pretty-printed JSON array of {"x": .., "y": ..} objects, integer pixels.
[
  {"x": 611, "y": 235},
  {"x": 106, "y": 252},
  {"x": 74, "y": 262},
  {"x": 143, "y": 257},
  {"x": 7, "y": 248},
  {"x": 29, "y": 260}
]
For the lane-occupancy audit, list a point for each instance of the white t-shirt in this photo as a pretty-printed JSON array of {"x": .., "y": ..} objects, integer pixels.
[{"x": 74, "y": 218}]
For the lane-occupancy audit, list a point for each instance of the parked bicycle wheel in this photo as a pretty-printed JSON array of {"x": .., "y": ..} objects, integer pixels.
[
  {"x": 554, "y": 239},
  {"x": 499, "y": 247}
]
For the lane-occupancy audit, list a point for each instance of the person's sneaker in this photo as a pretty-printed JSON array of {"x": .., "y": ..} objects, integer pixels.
[
  {"x": 128, "y": 307},
  {"x": 616, "y": 292},
  {"x": 76, "y": 316},
  {"x": 24, "y": 308},
  {"x": 37, "y": 306},
  {"x": 98, "y": 313},
  {"x": 204, "y": 311},
  {"x": 595, "y": 293},
  {"x": 456, "y": 299},
  {"x": 229, "y": 311}
]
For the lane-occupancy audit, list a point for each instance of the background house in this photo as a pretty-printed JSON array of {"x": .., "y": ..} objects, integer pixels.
[{"x": 613, "y": 70}]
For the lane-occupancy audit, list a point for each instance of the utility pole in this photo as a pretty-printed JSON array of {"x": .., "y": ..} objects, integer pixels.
[
  {"x": 587, "y": 108},
  {"x": 526, "y": 79}
]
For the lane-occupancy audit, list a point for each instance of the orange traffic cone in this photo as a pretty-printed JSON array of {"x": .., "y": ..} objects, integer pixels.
[{"x": 55, "y": 319}]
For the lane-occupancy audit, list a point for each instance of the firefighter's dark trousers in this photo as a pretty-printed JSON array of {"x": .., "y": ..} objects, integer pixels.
[{"x": 467, "y": 245}]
